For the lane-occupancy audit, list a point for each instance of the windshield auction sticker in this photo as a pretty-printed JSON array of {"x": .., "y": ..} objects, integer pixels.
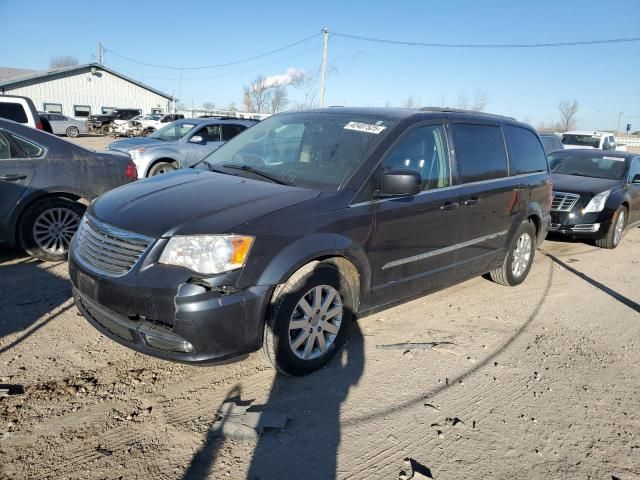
[
  {"x": 617, "y": 159},
  {"x": 364, "y": 127}
]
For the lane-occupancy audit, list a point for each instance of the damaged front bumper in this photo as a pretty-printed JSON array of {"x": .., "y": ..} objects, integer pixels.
[{"x": 170, "y": 317}]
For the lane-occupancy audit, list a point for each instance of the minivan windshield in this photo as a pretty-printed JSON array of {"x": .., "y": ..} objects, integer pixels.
[
  {"x": 309, "y": 149},
  {"x": 596, "y": 166},
  {"x": 172, "y": 132}
]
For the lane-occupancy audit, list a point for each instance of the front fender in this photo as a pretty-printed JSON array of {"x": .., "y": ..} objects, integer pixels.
[
  {"x": 313, "y": 247},
  {"x": 149, "y": 158}
]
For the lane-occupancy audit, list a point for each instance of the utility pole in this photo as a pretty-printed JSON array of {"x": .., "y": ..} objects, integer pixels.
[
  {"x": 323, "y": 78},
  {"x": 100, "y": 54},
  {"x": 619, "y": 118}
]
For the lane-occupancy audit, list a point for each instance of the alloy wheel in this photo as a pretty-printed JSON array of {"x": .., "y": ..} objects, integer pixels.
[
  {"x": 54, "y": 228},
  {"x": 521, "y": 255},
  {"x": 315, "y": 322}
]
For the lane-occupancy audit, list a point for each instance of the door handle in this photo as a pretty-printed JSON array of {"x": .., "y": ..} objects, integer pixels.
[
  {"x": 471, "y": 202},
  {"x": 13, "y": 177},
  {"x": 449, "y": 206}
]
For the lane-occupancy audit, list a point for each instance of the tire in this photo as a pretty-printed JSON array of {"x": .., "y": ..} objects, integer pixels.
[
  {"x": 160, "y": 168},
  {"x": 72, "y": 132},
  {"x": 148, "y": 131},
  {"x": 105, "y": 129},
  {"x": 519, "y": 258},
  {"x": 46, "y": 227},
  {"x": 299, "y": 351},
  {"x": 616, "y": 230}
]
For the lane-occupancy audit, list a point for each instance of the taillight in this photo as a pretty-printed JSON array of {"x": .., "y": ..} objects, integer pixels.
[
  {"x": 39, "y": 126},
  {"x": 131, "y": 171}
]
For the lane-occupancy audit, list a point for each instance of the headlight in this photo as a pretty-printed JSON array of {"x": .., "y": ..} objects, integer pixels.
[
  {"x": 597, "y": 203},
  {"x": 136, "y": 153},
  {"x": 207, "y": 254}
]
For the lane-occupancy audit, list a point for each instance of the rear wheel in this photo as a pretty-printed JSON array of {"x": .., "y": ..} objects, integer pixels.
[
  {"x": 519, "y": 259},
  {"x": 72, "y": 132},
  {"x": 616, "y": 230},
  {"x": 161, "y": 167},
  {"x": 308, "y": 320},
  {"x": 47, "y": 226}
]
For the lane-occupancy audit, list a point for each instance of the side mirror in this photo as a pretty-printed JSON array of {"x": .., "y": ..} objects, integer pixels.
[
  {"x": 636, "y": 179},
  {"x": 196, "y": 139},
  {"x": 400, "y": 183}
]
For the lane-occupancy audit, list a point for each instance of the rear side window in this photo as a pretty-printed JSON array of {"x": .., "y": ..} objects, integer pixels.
[
  {"x": 13, "y": 111},
  {"x": 480, "y": 152},
  {"x": 31, "y": 150},
  {"x": 230, "y": 131},
  {"x": 525, "y": 152}
]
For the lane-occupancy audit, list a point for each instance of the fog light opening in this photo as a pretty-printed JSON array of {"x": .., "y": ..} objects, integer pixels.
[{"x": 169, "y": 344}]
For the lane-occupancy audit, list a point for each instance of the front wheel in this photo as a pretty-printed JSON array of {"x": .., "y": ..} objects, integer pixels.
[
  {"x": 160, "y": 168},
  {"x": 308, "y": 321},
  {"x": 105, "y": 129},
  {"x": 47, "y": 226},
  {"x": 519, "y": 259},
  {"x": 614, "y": 235}
]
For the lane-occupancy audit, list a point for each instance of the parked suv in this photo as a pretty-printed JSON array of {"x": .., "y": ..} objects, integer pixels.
[
  {"x": 307, "y": 219},
  {"x": 21, "y": 110},
  {"x": 157, "y": 121},
  {"x": 180, "y": 144},
  {"x": 104, "y": 123}
]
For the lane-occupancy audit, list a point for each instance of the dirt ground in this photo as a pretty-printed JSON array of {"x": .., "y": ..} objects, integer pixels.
[{"x": 543, "y": 382}]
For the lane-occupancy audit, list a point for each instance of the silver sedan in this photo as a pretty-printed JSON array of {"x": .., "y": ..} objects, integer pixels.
[{"x": 63, "y": 125}]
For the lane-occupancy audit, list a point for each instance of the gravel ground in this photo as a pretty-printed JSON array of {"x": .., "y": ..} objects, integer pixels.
[{"x": 542, "y": 382}]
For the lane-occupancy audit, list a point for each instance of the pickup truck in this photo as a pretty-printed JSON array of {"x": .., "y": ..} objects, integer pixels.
[
  {"x": 157, "y": 121},
  {"x": 591, "y": 139}
]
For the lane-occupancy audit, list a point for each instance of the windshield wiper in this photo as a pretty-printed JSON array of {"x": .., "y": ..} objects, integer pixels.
[{"x": 260, "y": 173}]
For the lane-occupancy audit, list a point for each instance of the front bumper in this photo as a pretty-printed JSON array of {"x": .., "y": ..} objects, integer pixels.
[
  {"x": 198, "y": 324},
  {"x": 574, "y": 224}
]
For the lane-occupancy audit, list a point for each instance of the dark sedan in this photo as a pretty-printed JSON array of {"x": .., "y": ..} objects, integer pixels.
[
  {"x": 45, "y": 184},
  {"x": 596, "y": 194}
]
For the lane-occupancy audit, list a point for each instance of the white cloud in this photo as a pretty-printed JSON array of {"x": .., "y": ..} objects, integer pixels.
[{"x": 293, "y": 76}]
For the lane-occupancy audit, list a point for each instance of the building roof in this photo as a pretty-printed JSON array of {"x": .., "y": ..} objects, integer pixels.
[
  {"x": 8, "y": 73},
  {"x": 32, "y": 76}
]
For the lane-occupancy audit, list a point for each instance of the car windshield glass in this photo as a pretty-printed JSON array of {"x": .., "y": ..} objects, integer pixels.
[
  {"x": 309, "y": 149},
  {"x": 582, "y": 140},
  {"x": 611, "y": 168},
  {"x": 154, "y": 117},
  {"x": 172, "y": 132}
]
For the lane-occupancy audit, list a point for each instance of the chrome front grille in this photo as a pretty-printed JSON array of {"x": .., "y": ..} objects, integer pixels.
[
  {"x": 107, "y": 249},
  {"x": 563, "y": 202}
]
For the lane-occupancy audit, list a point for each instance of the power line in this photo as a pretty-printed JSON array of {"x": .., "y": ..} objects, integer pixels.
[
  {"x": 222, "y": 75},
  {"x": 487, "y": 45},
  {"x": 235, "y": 62}
]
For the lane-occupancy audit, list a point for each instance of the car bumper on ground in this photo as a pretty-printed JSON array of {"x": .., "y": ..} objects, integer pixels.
[{"x": 199, "y": 325}]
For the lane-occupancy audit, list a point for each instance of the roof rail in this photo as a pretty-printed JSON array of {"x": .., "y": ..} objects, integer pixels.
[{"x": 460, "y": 110}]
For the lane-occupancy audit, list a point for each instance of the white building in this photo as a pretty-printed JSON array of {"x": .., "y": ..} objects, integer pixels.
[{"x": 82, "y": 90}]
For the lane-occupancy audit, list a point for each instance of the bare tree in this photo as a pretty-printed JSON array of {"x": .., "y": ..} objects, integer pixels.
[
  {"x": 232, "y": 107},
  {"x": 568, "y": 112},
  {"x": 278, "y": 98},
  {"x": 258, "y": 95},
  {"x": 410, "y": 102},
  {"x": 310, "y": 101},
  {"x": 463, "y": 101},
  {"x": 62, "y": 61},
  {"x": 209, "y": 106},
  {"x": 480, "y": 101}
]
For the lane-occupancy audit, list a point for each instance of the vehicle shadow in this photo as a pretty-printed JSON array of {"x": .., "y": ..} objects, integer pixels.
[
  {"x": 308, "y": 445},
  {"x": 28, "y": 291}
]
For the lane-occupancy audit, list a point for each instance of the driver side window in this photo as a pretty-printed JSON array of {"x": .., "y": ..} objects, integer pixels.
[
  {"x": 423, "y": 151},
  {"x": 635, "y": 168}
]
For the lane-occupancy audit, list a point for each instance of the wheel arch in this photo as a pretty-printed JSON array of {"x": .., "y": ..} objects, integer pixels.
[{"x": 161, "y": 158}]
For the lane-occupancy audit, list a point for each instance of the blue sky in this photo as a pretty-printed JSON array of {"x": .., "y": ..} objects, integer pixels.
[{"x": 527, "y": 83}]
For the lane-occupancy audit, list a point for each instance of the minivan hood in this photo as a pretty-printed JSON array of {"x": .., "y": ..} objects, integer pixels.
[
  {"x": 135, "y": 142},
  {"x": 193, "y": 202},
  {"x": 582, "y": 185}
]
